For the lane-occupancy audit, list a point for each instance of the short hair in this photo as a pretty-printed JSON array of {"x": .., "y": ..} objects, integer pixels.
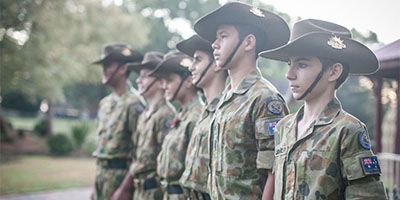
[
  {"x": 328, "y": 62},
  {"x": 247, "y": 29}
]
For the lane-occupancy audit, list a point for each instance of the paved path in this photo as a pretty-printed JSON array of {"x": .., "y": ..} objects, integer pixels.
[{"x": 69, "y": 194}]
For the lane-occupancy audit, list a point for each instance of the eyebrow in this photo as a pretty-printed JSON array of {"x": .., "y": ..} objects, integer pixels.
[
  {"x": 301, "y": 59},
  {"x": 221, "y": 32}
]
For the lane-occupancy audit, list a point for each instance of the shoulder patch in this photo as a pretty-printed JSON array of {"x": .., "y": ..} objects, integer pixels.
[
  {"x": 364, "y": 141},
  {"x": 139, "y": 108},
  {"x": 271, "y": 126},
  {"x": 371, "y": 165},
  {"x": 275, "y": 106}
]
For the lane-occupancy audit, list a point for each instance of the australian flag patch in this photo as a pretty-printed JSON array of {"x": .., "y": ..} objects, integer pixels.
[
  {"x": 271, "y": 126},
  {"x": 371, "y": 165}
]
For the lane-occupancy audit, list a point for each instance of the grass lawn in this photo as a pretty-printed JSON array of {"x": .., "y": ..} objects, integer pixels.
[
  {"x": 38, "y": 173},
  {"x": 59, "y": 125}
]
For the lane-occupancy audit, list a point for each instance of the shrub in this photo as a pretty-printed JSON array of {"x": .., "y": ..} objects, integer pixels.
[
  {"x": 40, "y": 128},
  {"x": 79, "y": 133},
  {"x": 59, "y": 144}
]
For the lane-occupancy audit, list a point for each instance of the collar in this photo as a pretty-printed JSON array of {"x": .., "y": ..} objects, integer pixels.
[
  {"x": 248, "y": 81},
  {"x": 327, "y": 115},
  {"x": 189, "y": 107}
]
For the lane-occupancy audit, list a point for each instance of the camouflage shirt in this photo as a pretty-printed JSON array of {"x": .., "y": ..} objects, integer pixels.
[
  {"x": 333, "y": 154},
  {"x": 117, "y": 118},
  {"x": 170, "y": 161},
  {"x": 148, "y": 139},
  {"x": 195, "y": 175},
  {"x": 242, "y": 140}
]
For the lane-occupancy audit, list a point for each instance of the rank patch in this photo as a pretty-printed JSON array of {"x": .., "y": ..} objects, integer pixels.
[
  {"x": 275, "y": 106},
  {"x": 364, "y": 141},
  {"x": 271, "y": 126},
  {"x": 371, "y": 165}
]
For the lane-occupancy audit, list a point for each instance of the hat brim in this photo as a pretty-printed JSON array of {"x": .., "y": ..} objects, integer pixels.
[
  {"x": 276, "y": 29},
  {"x": 193, "y": 44},
  {"x": 137, "y": 66},
  {"x": 117, "y": 57},
  {"x": 360, "y": 58},
  {"x": 171, "y": 65}
]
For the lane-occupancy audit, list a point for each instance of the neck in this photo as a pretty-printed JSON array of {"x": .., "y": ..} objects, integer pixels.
[
  {"x": 216, "y": 86},
  {"x": 187, "y": 98},
  {"x": 240, "y": 70},
  {"x": 120, "y": 87},
  {"x": 314, "y": 106},
  {"x": 153, "y": 101}
]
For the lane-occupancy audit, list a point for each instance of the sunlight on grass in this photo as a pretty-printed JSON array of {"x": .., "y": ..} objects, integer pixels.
[{"x": 37, "y": 173}]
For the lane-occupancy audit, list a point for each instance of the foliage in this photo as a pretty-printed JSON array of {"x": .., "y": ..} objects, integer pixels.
[
  {"x": 59, "y": 144},
  {"x": 40, "y": 128},
  {"x": 79, "y": 133},
  {"x": 58, "y": 40},
  {"x": 16, "y": 100}
]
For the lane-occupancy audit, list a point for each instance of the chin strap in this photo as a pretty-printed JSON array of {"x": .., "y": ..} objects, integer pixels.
[
  {"x": 233, "y": 53},
  {"x": 205, "y": 70},
  {"x": 319, "y": 76},
  {"x": 180, "y": 86},
  {"x": 148, "y": 88},
  {"x": 113, "y": 74}
]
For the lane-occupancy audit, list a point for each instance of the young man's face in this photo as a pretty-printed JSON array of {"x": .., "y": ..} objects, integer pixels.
[
  {"x": 200, "y": 62},
  {"x": 227, "y": 39},
  {"x": 171, "y": 84},
  {"x": 108, "y": 70},
  {"x": 302, "y": 72},
  {"x": 144, "y": 81}
]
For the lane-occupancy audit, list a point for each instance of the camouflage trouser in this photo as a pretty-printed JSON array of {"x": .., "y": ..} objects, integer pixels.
[
  {"x": 146, "y": 189},
  {"x": 107, "y": 179}
]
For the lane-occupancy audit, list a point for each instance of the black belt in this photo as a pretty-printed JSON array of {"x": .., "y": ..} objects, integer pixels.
[
  {"x": 150, "y": 183},
  {"x": 201, "y": 195},
  {"x": 117, "y": 163},
  {"x": 174, "y": 189}
]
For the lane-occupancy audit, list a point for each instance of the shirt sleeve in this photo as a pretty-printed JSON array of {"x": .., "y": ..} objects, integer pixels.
[
  {"x": 360, "y": 167},
  {"x": 268, "y": 112}
]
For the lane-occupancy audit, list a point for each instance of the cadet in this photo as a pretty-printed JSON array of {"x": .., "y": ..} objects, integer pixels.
[
  {"x": 152, "y": 127},
  {"x": 322, "y": 152},
  {"x": 178, "y": 86},
  {"x": 117, "y": 118},
  {"x": 242, "y": 140},
  {"x": 212, "y": 81}
]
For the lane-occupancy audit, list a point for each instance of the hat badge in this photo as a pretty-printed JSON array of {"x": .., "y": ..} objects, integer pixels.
[
  {"x": 257, "y": 12},
  {"x": 336, "y": 43},
  {"x": 126, "y": 52},
  {"x": 186, "y": 62}
]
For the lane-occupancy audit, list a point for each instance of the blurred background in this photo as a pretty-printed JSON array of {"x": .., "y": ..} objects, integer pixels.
[{"x": 49, "y": 91}]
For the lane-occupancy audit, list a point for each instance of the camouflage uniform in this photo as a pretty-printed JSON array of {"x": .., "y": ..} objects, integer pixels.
[
  {"x": 242, "y": 140},
  {"x": 333, "y": 156},
  {"x": 117, "y": 118},
  {"x": 170, "y": 161},
  {"x": 195, "y": 175},
  {"x": 148, "y": 139}
]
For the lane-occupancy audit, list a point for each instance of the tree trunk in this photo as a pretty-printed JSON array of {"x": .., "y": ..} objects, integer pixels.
[
  {"x": 3, "y": 124},
  {"x": 49, "y": 118}
]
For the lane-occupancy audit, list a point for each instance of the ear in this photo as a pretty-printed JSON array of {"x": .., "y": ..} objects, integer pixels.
[
  {"x": 334, "y": 72},
  {"x": 124, "y": 68},
  {"x": 249, "y": 42}
]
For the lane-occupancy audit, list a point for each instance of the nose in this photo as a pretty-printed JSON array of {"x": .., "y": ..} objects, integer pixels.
[
  {"x": 192, "y": 67},
  {"x": 215, "y": 44},
  {"x": 139, "y": 79},
  {"x": 290, "y": 74},
  {"x": 164, "y": 83}
]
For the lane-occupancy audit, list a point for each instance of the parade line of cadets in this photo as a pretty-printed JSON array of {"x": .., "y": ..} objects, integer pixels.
[{"x": 233, "y": 136}]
